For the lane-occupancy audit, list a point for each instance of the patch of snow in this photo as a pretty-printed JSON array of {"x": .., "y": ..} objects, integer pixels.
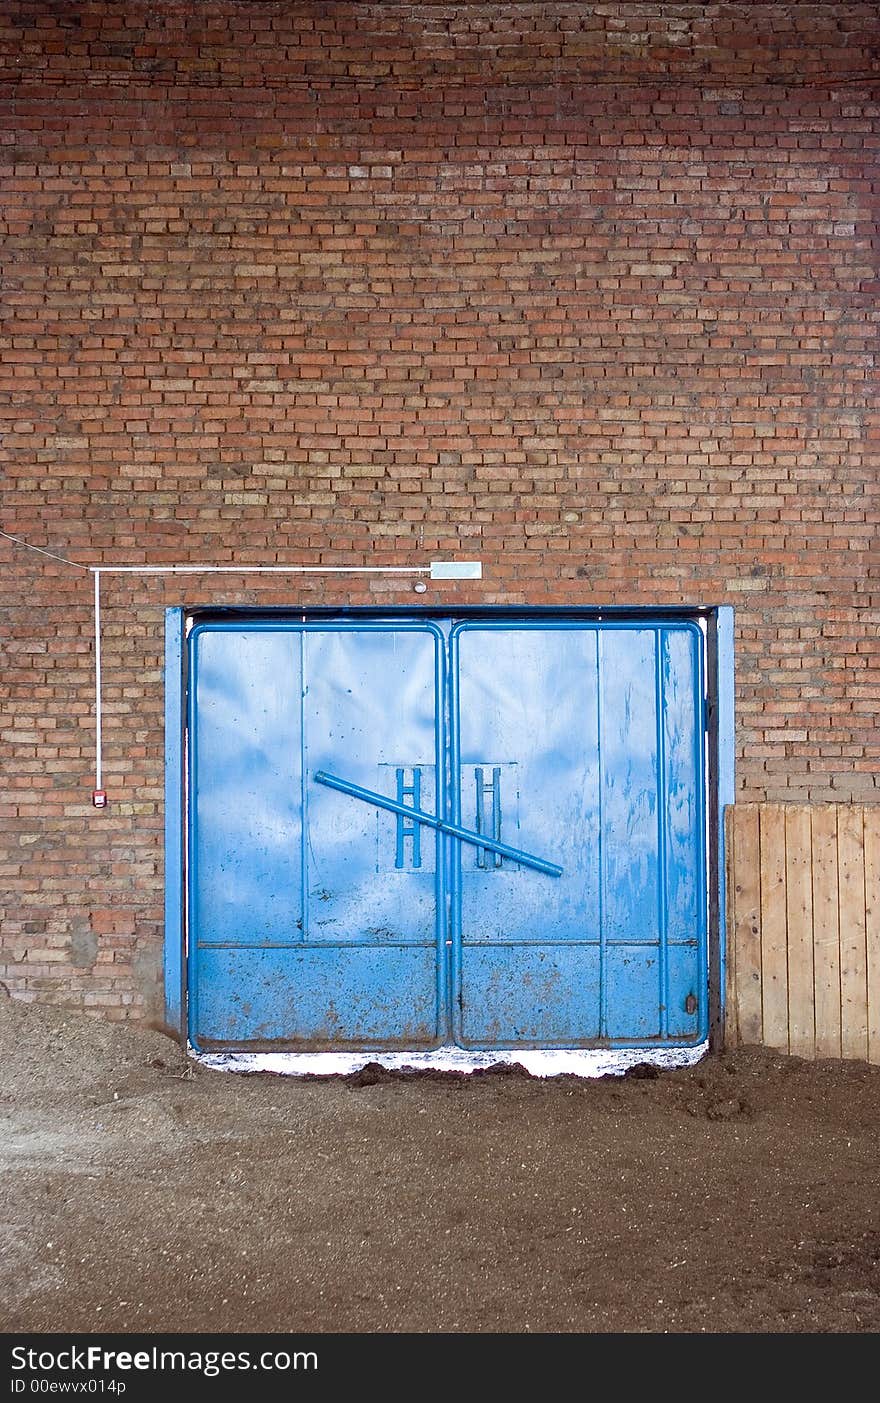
[{"x": 577, "y": 1062}]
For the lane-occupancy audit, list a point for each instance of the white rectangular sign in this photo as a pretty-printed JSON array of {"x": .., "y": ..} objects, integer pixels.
[{"x": 456, "y": 569}]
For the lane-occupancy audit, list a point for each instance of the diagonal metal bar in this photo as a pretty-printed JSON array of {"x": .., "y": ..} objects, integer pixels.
[{"x": 479, "y": 840}]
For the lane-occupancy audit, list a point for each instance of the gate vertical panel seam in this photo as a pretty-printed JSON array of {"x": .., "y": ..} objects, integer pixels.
[
  {"x": 701, "y": 773},
  {"x": 304, "y": 791},
  {"x": 660, "y": 637},
  {"x": 723, "y": 683},
  {"x": 453, "y": 886},
  {"x": 192, "y": 983},
  {"x": 601, "y": 844},
  {"x": 445, "y": 976},
  {"x": 174, "y": 950}
]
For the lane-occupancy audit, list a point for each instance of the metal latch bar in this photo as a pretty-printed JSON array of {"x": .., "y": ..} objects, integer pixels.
[{"x": 479, "y": 840}]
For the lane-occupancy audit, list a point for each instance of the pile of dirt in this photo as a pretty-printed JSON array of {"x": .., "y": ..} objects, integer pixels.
[
  {"x": 55, "y": 1051},
  {"x": 374, "y": 1074}
]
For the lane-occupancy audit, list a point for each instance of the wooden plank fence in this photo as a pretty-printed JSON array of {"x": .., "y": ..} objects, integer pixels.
[{"x": 803, "y": 928}]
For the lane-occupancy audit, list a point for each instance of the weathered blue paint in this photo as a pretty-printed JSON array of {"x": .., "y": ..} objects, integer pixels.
[
  {"x": 302, "y": 928},
  {"x": 725, "y": 692},
  {"x": 605, "y": 726},
  {"x": 174, "y": 820},
  {"x": 320, "y": 922}
]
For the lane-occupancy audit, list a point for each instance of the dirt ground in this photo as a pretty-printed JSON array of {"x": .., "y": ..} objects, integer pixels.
[{"x": 738, "y": 1195}]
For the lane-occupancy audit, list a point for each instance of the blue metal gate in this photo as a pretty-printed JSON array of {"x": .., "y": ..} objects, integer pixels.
[{"x": 404, "y": 833}]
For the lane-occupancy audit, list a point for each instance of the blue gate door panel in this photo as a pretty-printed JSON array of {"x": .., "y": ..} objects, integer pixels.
[
  {"x": 632, "y": 983},
  {"x": 686, "y": 976},
  {"x": 530, "y": 995},
  {"x": 319, "y": 1000},
  {"x": 684, "y": 836},
  {"x": 323, "y": 914},
  {"x": 599, "y": 733},
  {"x": 369, "y": 712},
  {"x": 627, "y": 746},
  {"x": 245, "y": 787},
  {"x": 314, "y": 921},
  {"x": 523, "y": 695}
]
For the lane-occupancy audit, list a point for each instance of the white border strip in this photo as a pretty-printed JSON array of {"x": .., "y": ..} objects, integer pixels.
[{"x": 577, "y": 1062}]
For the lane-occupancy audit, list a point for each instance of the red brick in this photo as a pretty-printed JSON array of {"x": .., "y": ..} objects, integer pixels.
[{"x": 371, "y": 283}]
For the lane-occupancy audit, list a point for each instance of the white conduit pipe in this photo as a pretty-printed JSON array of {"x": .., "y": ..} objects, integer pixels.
[
  {"x": 99, "y": 803},
  {"x": 265, "y": 569},
  {"x": 438, "y": 570}
]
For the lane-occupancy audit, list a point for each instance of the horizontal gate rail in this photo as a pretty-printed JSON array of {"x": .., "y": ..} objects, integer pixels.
[{"x": 466, "y": 835}]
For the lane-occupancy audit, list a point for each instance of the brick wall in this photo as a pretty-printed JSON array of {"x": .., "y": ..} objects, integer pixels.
[{"x": 589, "y": 292}]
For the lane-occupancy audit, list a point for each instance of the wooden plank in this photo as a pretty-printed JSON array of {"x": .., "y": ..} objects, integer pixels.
[
  {"x": 774, "y": 948},
  {"x": 731, "y": 1031},
  {"x": 799, "y": 911},
  {"x": 826, "y": 930},
  {"x": 853, "y": 950},
  {"x": 871, "y": 815},
  {"x": 747, "y": 930}
]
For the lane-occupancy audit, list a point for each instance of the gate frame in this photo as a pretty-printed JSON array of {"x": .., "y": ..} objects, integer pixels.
[{"x": 718, "y": 622}]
